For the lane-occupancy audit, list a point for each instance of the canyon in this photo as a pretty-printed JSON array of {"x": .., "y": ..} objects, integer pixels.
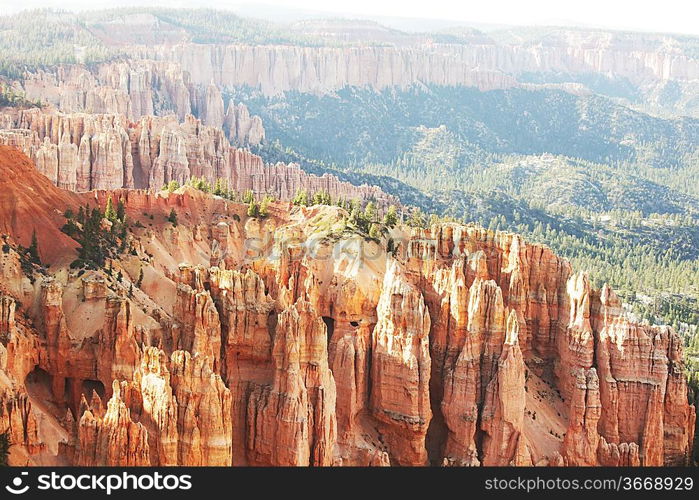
[
  {"x": 652, "y": 72},
  {"x": 657, "y": 72},
  {"x": 136, "y": 89},
  {"x": 293, "y": 339},
  {"x": 84, "y": 151},
  {"x": 151, "y": 317},
  {"x": 484, "y": 63}
]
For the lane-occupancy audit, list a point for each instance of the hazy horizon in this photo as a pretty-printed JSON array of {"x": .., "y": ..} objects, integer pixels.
[{"x": 622, "y": 16}]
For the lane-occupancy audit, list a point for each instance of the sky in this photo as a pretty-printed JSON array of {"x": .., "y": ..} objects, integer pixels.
[{"x": 671, "y": 16}]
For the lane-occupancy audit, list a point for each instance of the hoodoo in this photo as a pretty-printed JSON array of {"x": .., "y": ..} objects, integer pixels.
[{"x": 460, "y": 346}]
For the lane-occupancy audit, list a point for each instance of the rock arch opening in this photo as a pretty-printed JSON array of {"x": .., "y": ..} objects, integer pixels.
[
  {"x": 330, "y": 326},
  {"x": 92, "y": 385}
]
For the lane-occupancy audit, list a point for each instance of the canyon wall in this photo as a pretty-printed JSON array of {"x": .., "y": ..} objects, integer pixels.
[
  {"x": 141, "y": 88},
  {"x": 657, "y": 71},
  {"x": 463, "y": 347},
  {"x": 80, "y": 152},
  {"x": 485, "y": 64}
]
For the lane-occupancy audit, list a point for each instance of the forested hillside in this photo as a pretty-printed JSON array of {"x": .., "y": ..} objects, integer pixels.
[{"x": 612, "y": 189}]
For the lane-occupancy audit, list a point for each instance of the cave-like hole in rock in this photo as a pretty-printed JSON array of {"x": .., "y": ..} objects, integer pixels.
[
  {"x": 39, "y": 384},
  {"x": 272, "y": 324},
  {"x": 354, "y": 323},
  {"x": 93, "y": 385},
  {"x": 38, "y": 378},
  {"x": 330, "y": 326}
]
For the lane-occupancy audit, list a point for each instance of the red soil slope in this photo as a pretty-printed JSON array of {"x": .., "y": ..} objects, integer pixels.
[{"x": 30, "y": 202}]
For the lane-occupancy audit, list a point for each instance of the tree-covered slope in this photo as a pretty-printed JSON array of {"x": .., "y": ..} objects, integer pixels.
[
  {"x": 386, "y": 124},
  {"x": 610, "y": 188}
]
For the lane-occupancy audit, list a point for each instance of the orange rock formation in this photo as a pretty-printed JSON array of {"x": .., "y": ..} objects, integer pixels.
[
  {"x": 80, "y": 152},
  {"x": 466, "y": 347}
]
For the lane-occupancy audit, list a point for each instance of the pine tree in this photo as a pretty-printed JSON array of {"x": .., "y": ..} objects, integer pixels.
[
  {"x": 121, "y": 210},
  {"x": 34, "y": 250},
  {"x": 321, "y": 197},
  {"x": 370, "y": 212},
  {"x": 264, "y": 206},
  {"x": 253, "y": 209},
  {"x": 218, "y": 187},
  {"x": 139, "y": 281},
  {"x": 391, "y": 217},
  {"x": 248, "y": 196},
  {"x": 109, "y": 212},
  {"x": 200, "y": 183},
  {"x": 359, "y": 219},
  {"x": 300, "y": 198},
  {"x": 417, "y": 219},
  {"x": 355, "y": 215},
  {"x": 172, "y": 217}
]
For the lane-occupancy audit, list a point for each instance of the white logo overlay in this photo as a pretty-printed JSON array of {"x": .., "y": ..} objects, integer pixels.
[
  {"x": 107, "y": 483},
  {"x": 16, "y": 487}
]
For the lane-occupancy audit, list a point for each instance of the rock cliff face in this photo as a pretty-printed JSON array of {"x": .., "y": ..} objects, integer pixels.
[
  {"x": 400, "y": 368},
  {"x": 241, "y": 127},
  {"x": 140, "y": 88},
  {"x": 276, "y": 69},
  {"x": 651, "y": 65},
  {"x": 80, "y": 152},
  {"x": 231, "y": 340},
  {"x": 657, "y": 70}
]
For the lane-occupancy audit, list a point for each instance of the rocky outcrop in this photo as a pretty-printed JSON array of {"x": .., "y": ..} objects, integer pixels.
[
  {"x": 133, "y": 89},
  {"x": 276, "y": 69},
  {"x": 119, "y": 342},
  {"x": 292, "y": 421},
  {"x": 502, "y": 417},
  {"x": 212, "y": 111},
  {"x": 483, "y": 63},
  {"x": 138, "y": 89},
  {"x": 80, "y": 152},
  {"x": 639, "y": 368},
  {"x": 7, "y": 316},
  {"x": 76, "y": 152},
  {"x": 241, "y": 127},
  {"x": 173, "y": 76},
  {"x": 111, "y": 437},
  {"x": 198, "y": 327},
  {"x": 656, "y": 71},
  {"x": 20, "y": 422},
  {"x": 582, "y": 440},
  {"x": 245, "y": 309},
  {"x": 166, "y": 416},
  {"x": 463, "y": 347},
  {"x": 203, "y": 411},
  {"x": 401, "y": 368}
]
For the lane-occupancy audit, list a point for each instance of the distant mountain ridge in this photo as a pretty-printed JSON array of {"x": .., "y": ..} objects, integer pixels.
[{"x": 658, "y": 72}]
